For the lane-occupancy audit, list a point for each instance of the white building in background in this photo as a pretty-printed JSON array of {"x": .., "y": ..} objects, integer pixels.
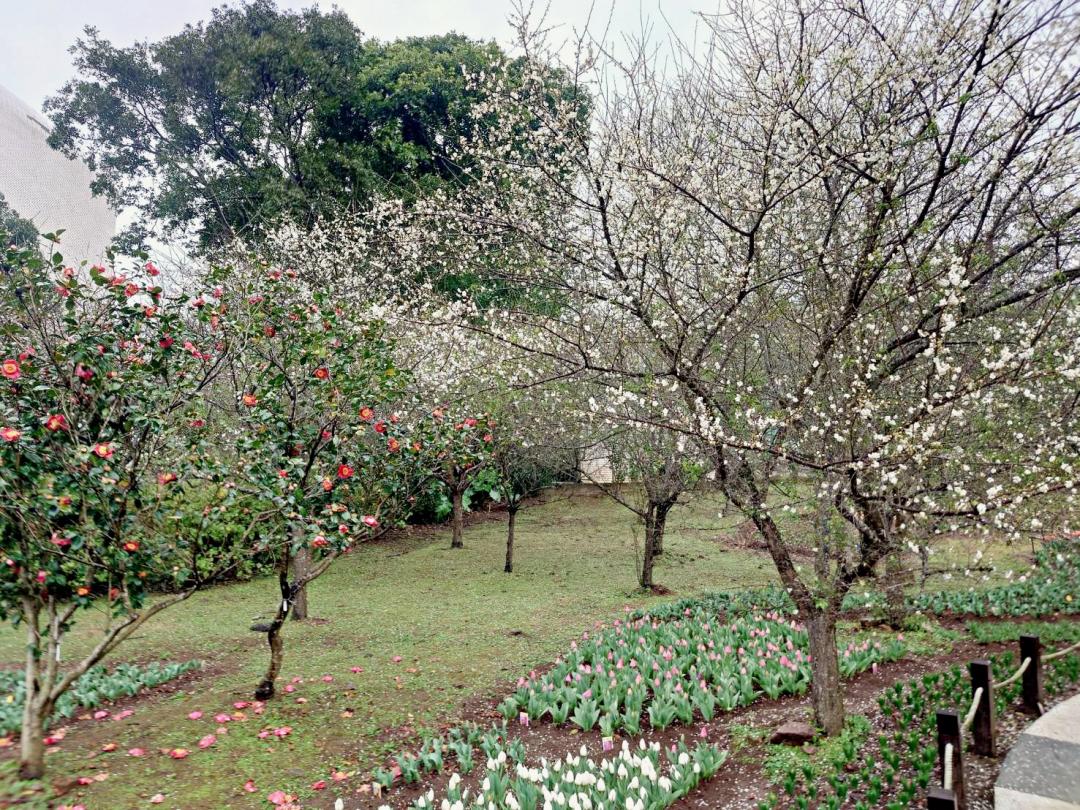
[{"x": 46, "y": 188}]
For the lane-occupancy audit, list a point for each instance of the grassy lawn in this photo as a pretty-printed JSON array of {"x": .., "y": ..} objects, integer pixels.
[{"x": 459, "y": 623}]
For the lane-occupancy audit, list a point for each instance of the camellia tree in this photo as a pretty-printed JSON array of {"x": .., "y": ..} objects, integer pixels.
[
  {"x": 99, "y": 375},
  {"x": 459, "y": 450},
  {"x": 311, "y": 407},
  {"x": 848, "y": 253}
]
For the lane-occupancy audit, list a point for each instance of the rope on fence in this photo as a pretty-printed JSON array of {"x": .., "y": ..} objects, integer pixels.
[
  {"x": 1060, "y": 653},
  {"x": 946, "y": 780},
  {"x": 970, "y": 716},
  {"x": 1016, "y": 675}
]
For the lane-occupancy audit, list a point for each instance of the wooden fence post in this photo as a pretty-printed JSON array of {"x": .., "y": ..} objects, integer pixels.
[
  {"x": 948, "y": 731},
  {"x": 1030, "y": 647},
  {"x": 984, "y": 726},
  {"x": 940, "y": 799}
]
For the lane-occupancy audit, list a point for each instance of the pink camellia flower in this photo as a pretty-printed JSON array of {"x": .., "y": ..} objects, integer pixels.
[
  {"x": 41, "y": 575},
  {"x": 179, "y": 753},
  {"x": 10, "y": 434},
  {"x": 327, "y": 678},
  {"x": 320, "y": 785},
  {"x": 290, "y": 688},
  {"x": 195, "y": 715},
  {"x": 356, "y": 669},
  {"x": 262, "y": 735},
  {"x": 370, "y": 521},
  {"x": 284, "y": 731},
  {"x": 241, "y": 704},
  {"x": 249, "y": 786},
  {"x": 278, "y": 797},
  {"x": 83, "y": 373},
  {"x": 10, "y": 370},
  {"x": 101, "y": 714},
  {"x": 103, "y": 450},
  {"x": 157, "y": 798},
  {"x": 207, "y": 741},
  {"x": 222, "y": 718},
  {"x": 396, "y": 659}
]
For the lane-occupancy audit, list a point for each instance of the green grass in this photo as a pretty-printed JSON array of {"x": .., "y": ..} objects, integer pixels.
[{"x": 459, "y": 623}]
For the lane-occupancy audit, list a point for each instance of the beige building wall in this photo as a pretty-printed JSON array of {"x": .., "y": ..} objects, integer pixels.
[{"x": 43, "y": 186}]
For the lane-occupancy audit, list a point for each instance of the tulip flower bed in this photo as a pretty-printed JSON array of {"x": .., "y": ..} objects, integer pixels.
[
  {"x": 95, "y": 687},
  {"x": 1053, "y": 587},
  {"x": 634, "y": 779},
  {"x": 672, "y": 671},
  {"x": 903, "y": 767}
]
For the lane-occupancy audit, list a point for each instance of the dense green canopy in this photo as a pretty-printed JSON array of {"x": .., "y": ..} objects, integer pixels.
[{"x": 261, "y": 115}]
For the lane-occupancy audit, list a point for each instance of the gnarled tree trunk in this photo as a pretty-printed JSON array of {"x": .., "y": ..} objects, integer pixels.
[{"x": 265, "y": 689}]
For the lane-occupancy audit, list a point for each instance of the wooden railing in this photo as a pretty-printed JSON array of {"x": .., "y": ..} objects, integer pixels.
[{"x": 981, "y": 721}]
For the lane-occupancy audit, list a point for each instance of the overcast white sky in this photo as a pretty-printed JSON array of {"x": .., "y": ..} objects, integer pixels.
[{"x": 35, "y": 34}]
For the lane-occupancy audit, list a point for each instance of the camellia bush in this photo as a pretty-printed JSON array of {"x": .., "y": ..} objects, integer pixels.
[
  {"x": 317, "y": 438},
  {"x": 98, "y": 374},
  {"x": 460, "y": 448}
]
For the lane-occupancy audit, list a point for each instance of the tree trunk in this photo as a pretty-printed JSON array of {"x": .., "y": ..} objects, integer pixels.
[
  {"x": 896, "y": 578},
  {"x": 511, "y": 518},
  {"x": 459, "y": 519},
  {"x": 265, "y": 689},
  {"x": 301, "y": 566},
  {"x": 646, "y": 578},
  {"x": 660, "y": 527},
  {"x": 32, "y": 742},
  {"x": 825, "y": 694}
]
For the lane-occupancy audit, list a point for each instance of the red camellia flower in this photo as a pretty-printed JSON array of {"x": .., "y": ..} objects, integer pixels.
[
  {"x": 10, "y": 369},
  {"x": 166, "y": 342},
  {"x": 393, "y": 445},
  {"x": 269, "y": 331},
  {"x": 250, "y": 400},
  {"x": 344, "y": 471},
  {"x": 366, "y": 413},
  {"x": 10, "y": 434},
  {"x": 131, "y": 545},
  {"x": 470, "y": 422},
  {"x": 380, "y": 427},
  {"x": 166, "y": 478},
  {"x": 131, "y": 289},
  {"x": 56, "y": 421},
  {"x": 150, "y": 312},
  {"x": 322, "y": 373},
  {"x": 151, "y": 269},
  {"x": 198, "y": 423},
  {"x": 103, "y": 450}
]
